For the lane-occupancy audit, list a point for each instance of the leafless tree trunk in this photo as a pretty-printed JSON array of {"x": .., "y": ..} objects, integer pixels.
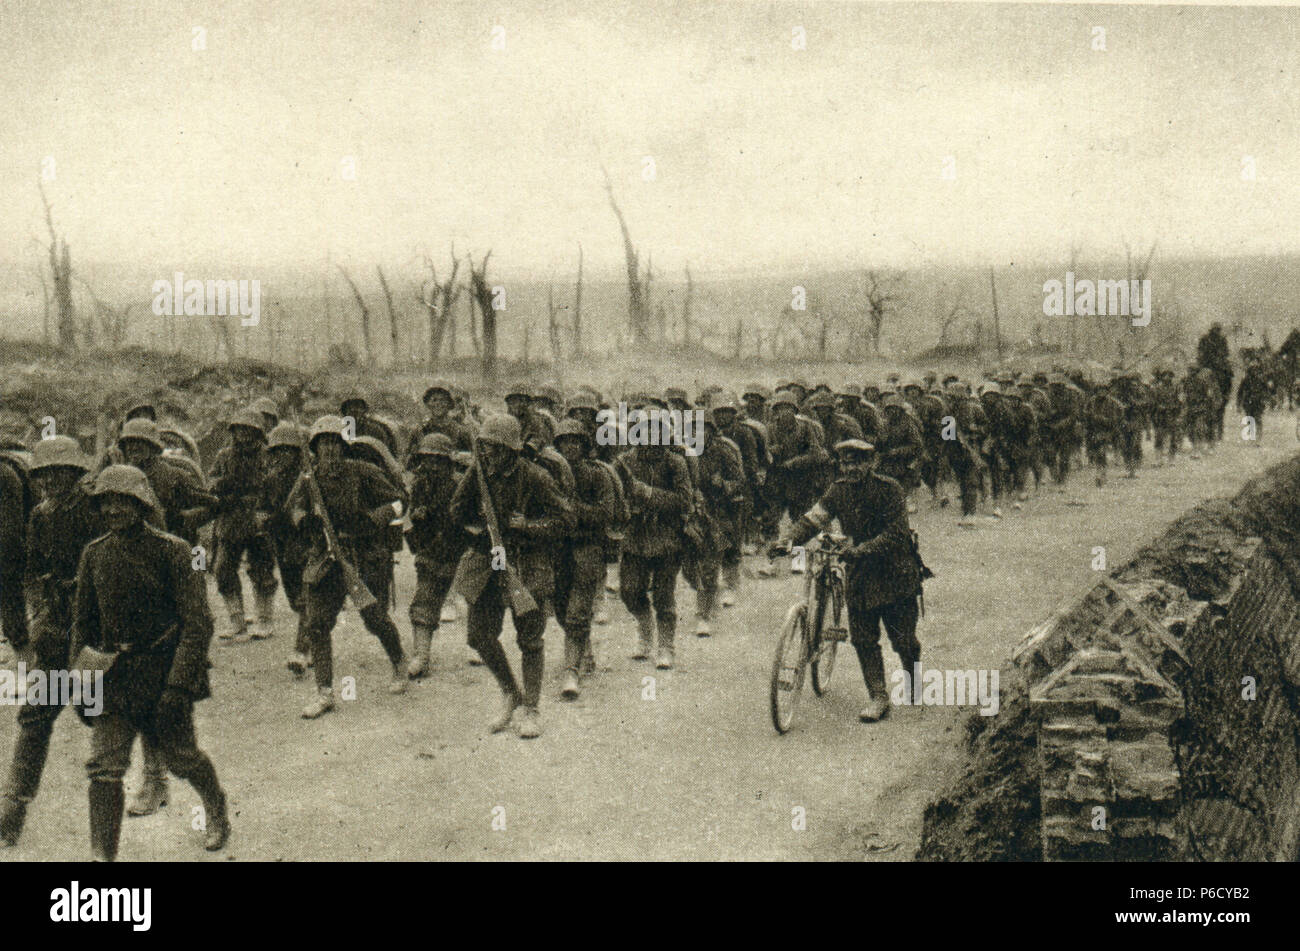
[
  {"x": 113, "y": 321},
  {"x": 392, "y": 317},
  {"x": 483, "y": 297},
  {"x": 365, "y": 315},
  {"x": 997, "y": 327},
  {"x": 438, "y": 298},
  {"x": 577, "y": 347},
  {"x": 686, "y": 307},
  {"x": 61, "y": 273},
  {"x": 45, "y": 303},
  {"x": 637, "y": 294},
  {"x": 878, "y": 301},
  {"x": 552, "y": 325},
  {"x": 957, "y": 310}
]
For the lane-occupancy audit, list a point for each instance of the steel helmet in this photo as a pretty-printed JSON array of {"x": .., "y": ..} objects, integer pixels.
[
  {"x": 285, "y": 434},
  {"x": 519, "y": 388},
  {"x": 757, "y": 391},
  {"x": 139, "y": 404},
  {"x": 502, "y": 429},
  {"x": 249, "y": 419},
  {"x": 58, "y": 451},
  {"x": 125, "y": 480},
  {"x": 353, "y": 400},
  {"x": 438, "y": 386},
  {"x": 267, "y": 406},
  {"x": 819, "y": 399},
  {"x": 584, "y": 399},
  {"x": 145, "y": 430},
  {"x": 328, "y": 425},
  {"x": 436, "y": 444},
  {"x": 552, "y": 393},
  {"x": 854, "y": 445},
  {"x": 785, "y": 398},
  {"x": 572, "y": 427}
]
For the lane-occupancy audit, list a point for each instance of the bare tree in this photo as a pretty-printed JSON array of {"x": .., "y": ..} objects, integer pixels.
[
  {"x": 552, "y": 324},
  {"x": 637, "y": 293},
  {"x": 686, "y": 307},
  {"x": 392, "y": 316},
  {"x": 437, "y": 298},
  {"x": 365, "y": 315},
  {"x": 114, "y": 322},
  {"x": 577, "y": 308},
  {"x": 482, "y": 294},
  {"x": 878, "y": 301},
  {"x": 61, "y": 273},
  {"x": 955, "y": 313}
]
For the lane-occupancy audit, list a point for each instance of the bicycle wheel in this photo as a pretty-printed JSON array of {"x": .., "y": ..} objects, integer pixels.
[
  {"x": 788, "y": 667},
  {"x": 827, "y": 637}
]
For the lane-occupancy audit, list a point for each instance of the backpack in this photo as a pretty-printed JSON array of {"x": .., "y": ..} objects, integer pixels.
[{"x": 622, "y": 511}]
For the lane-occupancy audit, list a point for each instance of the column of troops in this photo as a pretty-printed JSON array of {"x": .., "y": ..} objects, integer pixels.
[{"x": 98, "y": 557}]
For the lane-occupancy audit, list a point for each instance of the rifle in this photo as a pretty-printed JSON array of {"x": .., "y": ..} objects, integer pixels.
[
  {"x": 521, "y": 602},
  {"x": 357, "y": 590}
]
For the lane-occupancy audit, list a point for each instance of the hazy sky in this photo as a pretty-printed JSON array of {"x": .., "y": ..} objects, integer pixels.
[{"x": 765, "y": 156}]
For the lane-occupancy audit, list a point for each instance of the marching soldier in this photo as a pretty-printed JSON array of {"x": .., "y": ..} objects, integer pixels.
[
  {"x": 359, "y": 501},
  {"x": 1105, "y": 416},
  {"x": 59, "y": 528},
  {"x": 435, "y": 542},
  {"x": 658, "y": 489},
  {"x": 440, "y": 403},
  {"x": 722, "y": 485},
  {"x": 364, "y": 424},
  {"x": 797, "y": 455},
  {"x": 537, "y": 429},
  {"x": 580, "y": 569},
  {"x": 283, "y": 467},
  {"x": 238, "y": 477},
  {"x": 1167, "y": 414},
  {"x": 141, "y": 610},
  {"x": 903, "y": 448},
  {"x": 532, "y": 516}
]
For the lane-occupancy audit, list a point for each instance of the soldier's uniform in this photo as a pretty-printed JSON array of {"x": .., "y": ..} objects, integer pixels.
[
  {"x": 365, "y": 424},
  {"x": 883, "y": 577},
  {"x": 580, "y": 567},
  {"x": 13, "y": 544},
  {"x": 930, "y": 410},
  {"x": 995, "y": 450},
  {"x": 138, "y": 596},
  {"x": 902, "y": 448},
  {"x": 1060, "y": 426},
  {"x": 722, "y": 485},
  {"x": 658, "y": 489},
  {"x": 963, "y": 450},
  {"x": 1203, "y": 398},
  {"x": 58, "y": 530},
  {"x": 284, "y": 467},
  {"x": 798, "y": 455},
  {"x": 436, "y": 544},
  {"x": 238, "y": 477},
  {"x": 359, "y": 499},
  {"x": 1167, "y": 414},
  {"x": 1133, "y": 398},
  {"x": 1104, "y": 419},
  {"x": 532, "y": 516},
  {"x": 1254, "y": 394}
]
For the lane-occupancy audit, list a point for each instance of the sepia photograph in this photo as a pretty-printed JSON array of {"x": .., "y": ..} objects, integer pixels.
[{"x": 667, "y": 431}]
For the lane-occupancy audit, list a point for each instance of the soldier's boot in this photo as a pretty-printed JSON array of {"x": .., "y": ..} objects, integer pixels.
[
  {"x": 873, "y": 675},
  {"x": 644, "y": 636},
  {"x": 216, "y": 819},
  {"x": 13, "y": 813},
  {"x": 321, "y": 705},
  {"x": 667, "y": 633},
  {"x": 106, "y": 800},
  {"x": 572, "y": 659},
  {"x": 265, "y": 625},
  {"x": 422, "y": 639},
  {"x": 730, "y": 585},
  {"x": 152, "y": 794},
  {"x": 398, "y": 683},
  {"x": 532, "y": 663},
  {"x": 238, "y": 629},
  {"x": 299, "y": 660},
  {"x": 588, "y": 658}
]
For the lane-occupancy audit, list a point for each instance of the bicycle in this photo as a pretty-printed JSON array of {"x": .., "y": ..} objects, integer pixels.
[{"x": 806, "y": 639}]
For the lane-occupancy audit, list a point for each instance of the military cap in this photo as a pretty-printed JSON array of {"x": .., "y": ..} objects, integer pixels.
[
  {"x": 248, "y": 419},
  {"x": 437, "y": 386},
  {"x": 435, "y": 444}
]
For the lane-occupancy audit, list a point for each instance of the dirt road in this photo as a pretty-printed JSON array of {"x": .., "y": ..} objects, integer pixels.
[{"x": 686, "y": 766}]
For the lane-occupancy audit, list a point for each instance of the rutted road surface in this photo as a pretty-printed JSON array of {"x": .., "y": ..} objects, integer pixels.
[{"x": 695, "y": 773}]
